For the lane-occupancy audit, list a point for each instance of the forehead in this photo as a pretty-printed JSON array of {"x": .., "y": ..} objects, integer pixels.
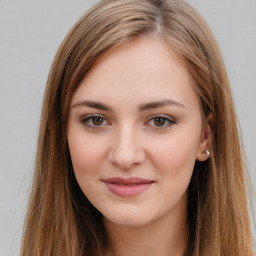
[{"x": 146, "y": 69}]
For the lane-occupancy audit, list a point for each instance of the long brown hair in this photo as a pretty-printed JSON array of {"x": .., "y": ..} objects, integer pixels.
[{"x": 60, "y": 220}]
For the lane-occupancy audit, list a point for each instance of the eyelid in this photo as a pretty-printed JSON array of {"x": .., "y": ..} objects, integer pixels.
[
  {"x": 86, "y": 118},
  {"x": 168, "y": 118}
]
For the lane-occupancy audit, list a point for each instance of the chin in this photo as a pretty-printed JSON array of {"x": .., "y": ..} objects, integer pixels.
[{"x": 127, "y": 218}]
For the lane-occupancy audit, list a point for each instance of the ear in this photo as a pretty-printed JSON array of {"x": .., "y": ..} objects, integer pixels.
[{"x": 205, "y": 143}]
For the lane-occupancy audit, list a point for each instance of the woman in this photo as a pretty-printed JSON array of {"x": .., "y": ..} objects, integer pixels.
[{"x": 138, "y": 151}]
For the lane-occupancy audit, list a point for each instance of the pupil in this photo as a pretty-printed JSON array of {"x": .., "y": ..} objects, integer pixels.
[
  {"x": 159, "y": 121},
  {"x": 97, "y": 120}
]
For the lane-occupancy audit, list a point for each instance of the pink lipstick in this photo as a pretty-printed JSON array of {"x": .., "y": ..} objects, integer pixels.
[{"x": 127, "y": 187}]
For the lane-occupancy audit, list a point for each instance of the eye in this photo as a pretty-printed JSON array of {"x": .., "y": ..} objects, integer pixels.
[
  {"x": 161, "y": 121},
  {"x": 94, "y": 121}
]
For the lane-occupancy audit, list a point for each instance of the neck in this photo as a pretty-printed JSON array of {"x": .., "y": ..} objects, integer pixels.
[{"x": 165, "y": 237}]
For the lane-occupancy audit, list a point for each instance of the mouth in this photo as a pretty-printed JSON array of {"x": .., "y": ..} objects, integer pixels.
[{"x": 128, "y": 187}]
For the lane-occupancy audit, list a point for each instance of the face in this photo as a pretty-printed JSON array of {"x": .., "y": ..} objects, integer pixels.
[{"x": 135, "y": 131}]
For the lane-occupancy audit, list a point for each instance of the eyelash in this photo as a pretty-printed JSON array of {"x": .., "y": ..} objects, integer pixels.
[
  {"x": 168, "y": 121},
  {"x": 87, "y": 121}
]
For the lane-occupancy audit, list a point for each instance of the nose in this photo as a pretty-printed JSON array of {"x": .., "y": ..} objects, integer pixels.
[{"x": 126, "y": 150}]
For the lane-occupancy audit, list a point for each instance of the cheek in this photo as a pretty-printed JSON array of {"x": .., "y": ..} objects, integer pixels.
[
  {"x": 175, "y": 157},
  {"x": 86, "y": 154},
  {"x": 87, "y": 157}
]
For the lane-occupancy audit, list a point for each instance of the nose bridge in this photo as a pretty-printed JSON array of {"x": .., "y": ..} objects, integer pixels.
[{"x": 126, "y": 149}]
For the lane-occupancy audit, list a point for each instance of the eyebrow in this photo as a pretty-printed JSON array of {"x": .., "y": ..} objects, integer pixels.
[
  {"x": 142, "y": 107},
  {"x": 93, "y": 104},
  {"x": 158, "y": 104}
]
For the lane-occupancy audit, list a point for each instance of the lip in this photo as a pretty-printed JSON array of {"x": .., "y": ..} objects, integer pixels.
[{"x": 127, "y": 187}]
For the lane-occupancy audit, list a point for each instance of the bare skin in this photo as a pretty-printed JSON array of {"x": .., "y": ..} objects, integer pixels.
[
  {"x": 149, "y": 240},
  {"x": 136, "y": 116}
]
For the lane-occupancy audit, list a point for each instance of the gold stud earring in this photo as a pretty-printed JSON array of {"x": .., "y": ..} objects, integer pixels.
[{"x": 206, "y": 153}]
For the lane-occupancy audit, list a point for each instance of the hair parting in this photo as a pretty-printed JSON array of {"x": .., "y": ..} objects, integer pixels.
[{"x": 60, "y": 220}]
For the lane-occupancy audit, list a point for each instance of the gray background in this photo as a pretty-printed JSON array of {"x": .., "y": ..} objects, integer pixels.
[{"x": 30, "y": 33}]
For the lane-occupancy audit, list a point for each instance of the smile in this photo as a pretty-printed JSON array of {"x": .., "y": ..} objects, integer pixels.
[{"x": 127, "y": 187}]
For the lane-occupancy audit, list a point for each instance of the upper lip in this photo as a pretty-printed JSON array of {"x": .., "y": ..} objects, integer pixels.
[{"x": 127, "y": 181}]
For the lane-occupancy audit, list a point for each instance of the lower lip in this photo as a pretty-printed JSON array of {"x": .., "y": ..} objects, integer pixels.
[{"x": 127, "y": 190}]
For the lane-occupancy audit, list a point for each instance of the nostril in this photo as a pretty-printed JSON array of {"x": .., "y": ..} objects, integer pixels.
[
  {"x": 125, "y": 149},
  {"x": 126, "y": 159}
]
